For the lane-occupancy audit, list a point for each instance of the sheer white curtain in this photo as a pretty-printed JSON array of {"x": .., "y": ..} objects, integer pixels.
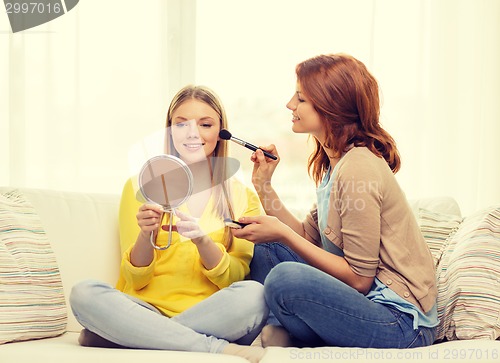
[
  {"x": 79, "y": 91},
  {"x": 437, "y": 62}
]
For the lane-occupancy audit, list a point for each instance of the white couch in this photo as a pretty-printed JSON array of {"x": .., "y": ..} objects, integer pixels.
[{"x": 83, "y": 231}]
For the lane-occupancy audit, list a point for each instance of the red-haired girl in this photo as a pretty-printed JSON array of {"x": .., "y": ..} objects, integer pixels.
[{"x": 357, "y": 272}]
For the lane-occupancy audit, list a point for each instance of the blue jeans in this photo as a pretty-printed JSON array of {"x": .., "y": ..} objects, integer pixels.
[
  {"x": 268, "y": 255},
  {"x": 234, "y": 314},
  {"x": 320, "y": 310}
]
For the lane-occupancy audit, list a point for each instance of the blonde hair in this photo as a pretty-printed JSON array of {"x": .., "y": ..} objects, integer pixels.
[{"x": 220, "y": 173}]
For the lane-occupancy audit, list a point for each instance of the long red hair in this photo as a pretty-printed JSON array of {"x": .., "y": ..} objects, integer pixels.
[{"x": 346, "y": 96}]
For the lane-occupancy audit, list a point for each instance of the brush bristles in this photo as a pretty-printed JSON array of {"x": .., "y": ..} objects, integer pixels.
[{"x": 224, "y": 134}]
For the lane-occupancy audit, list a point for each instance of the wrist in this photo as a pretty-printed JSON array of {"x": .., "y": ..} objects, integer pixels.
[
  {"x": 145, "y": 236},
  {"x": 287, "y": 235},
  {"x": 263, "y": 187},
  {"x": 202, "y": 241}
]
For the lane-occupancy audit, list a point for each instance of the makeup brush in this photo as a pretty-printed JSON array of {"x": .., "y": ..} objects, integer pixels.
[{"x": 226, "y": 135}]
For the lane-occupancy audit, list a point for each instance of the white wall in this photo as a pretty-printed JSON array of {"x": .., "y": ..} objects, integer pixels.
[
  {"x": 436, "y": 62},
  {"x": 78, "y": 92}
]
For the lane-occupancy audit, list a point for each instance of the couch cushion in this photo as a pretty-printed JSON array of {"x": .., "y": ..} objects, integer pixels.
[
  {"x": 65, "y": 349},
  {"x": 32, "y": 304},
  {"x": 83, "y": 232},
  {"x": 469, "y": 279},
  {"x": 437, "y": 229}
]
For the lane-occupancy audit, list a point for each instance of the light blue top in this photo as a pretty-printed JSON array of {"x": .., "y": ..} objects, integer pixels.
[
  {"x": 379, "y": 292},
  {"x": 384, "y": 295},
  {"x": 323, "y": 202}
]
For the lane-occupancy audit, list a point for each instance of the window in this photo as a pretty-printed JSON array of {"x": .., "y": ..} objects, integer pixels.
[{"x": 246, "y": 51}]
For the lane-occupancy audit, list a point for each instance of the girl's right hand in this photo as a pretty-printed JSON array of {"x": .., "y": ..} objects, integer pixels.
[
  {"x": 263, "y": 167},
  {"x": 149, "y": 218}
]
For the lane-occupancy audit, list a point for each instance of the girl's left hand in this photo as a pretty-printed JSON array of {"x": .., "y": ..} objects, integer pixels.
[
  {"x": 262, "y": 229},
  {"x": 188, "y": 227}
]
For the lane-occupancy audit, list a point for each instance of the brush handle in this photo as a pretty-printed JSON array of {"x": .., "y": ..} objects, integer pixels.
[{"x": 253, "y": 147}]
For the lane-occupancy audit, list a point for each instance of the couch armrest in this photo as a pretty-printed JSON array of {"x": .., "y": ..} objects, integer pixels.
[{"x": 445, "y": 205}]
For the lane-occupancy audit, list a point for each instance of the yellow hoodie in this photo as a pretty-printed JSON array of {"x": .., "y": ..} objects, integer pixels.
[{"x": 176, "y": 279}]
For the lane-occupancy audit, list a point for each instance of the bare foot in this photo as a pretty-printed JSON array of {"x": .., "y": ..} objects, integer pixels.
[
  {"x": 275, "y": 336},
  {"x": 251, "y": 353}
]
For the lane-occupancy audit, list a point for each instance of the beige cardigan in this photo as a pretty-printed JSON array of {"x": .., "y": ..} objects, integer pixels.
[{"x": 371, "y": 221}]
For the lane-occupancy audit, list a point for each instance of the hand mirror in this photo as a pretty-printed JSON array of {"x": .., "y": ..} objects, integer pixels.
[{"x": 165, "y": 180}]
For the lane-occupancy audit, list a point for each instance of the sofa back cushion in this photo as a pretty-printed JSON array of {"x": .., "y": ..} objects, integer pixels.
[
  {"x": 83, "y": 231},
  {"x": 437, "y": 229},
  {"x": 32, "y": 304},
  {"x": 468, "y": 275},
  {"x": 467, "y": 258}
]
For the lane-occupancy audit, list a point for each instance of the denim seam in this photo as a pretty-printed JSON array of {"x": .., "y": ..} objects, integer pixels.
[{"x": 299, "y": 299}]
